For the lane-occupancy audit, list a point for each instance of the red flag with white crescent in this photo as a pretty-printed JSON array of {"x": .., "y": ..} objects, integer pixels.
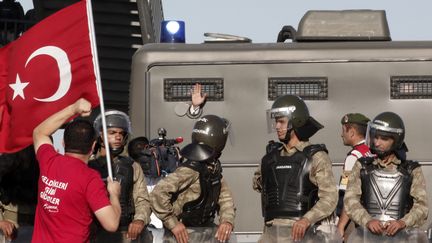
[{"x": 48, "y": 68}]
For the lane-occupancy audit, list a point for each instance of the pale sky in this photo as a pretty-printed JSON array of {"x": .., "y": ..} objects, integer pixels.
[
  {"x": 262, "y": 20},
  {"x": 27, "y": 4}
]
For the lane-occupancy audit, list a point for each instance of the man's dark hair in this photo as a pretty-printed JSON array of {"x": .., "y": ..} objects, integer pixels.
[
  {"x": 136, "y": 147},
  {"x": 361, "y": 130},
  {"x": 79, "y": 136}
]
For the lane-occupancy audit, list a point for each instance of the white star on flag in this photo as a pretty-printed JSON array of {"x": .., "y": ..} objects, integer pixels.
[{"x": 18, "y": 88}]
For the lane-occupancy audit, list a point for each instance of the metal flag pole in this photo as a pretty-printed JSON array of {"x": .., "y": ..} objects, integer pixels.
[{"x": 98, "y": 83}]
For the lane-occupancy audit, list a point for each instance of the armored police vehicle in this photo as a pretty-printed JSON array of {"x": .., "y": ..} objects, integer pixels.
[{"x": 336, "y": 67}]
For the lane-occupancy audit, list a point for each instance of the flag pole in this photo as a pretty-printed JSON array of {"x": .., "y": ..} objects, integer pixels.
[{"x": 98, "y": 84}]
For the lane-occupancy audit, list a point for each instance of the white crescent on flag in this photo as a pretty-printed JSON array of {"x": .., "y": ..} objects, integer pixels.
[{"x": 64, "y": 67}]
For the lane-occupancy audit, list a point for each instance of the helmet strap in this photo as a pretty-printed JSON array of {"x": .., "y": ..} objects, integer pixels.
[
  {"x": 117, "y": 151},
  {"x": 114, "y": 152},
  {"x": 381, "y": 154},
  {"x": 287, "y": 136}
]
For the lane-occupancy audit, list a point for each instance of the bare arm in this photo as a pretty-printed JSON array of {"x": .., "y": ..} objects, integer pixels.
[
  {"x": 343, "y": 221},
  {"x": 41, "y": 134},
  {"x": 109, "y": 216}
]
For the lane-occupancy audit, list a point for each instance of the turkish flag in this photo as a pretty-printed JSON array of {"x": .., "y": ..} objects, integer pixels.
[{"x": 48, "y": 68}]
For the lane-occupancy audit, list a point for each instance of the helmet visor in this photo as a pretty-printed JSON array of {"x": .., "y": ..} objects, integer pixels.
[
  {"x": 377, "y": 131},
  {"x": 385, "y": 128},
  {"x": 273, "y": 116},
  {"x": 113, "y": 118}
]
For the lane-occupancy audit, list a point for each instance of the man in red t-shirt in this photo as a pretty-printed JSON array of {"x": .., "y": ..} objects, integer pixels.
[{"x": 69, "y": 192}]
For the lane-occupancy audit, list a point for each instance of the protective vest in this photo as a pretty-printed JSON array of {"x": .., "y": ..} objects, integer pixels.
[
  {"x": 386, "y": 194},
  {"x": 202, "y": 210},
  {"x": 123, "y": 172},
  {"x": 287, "y": 191}
]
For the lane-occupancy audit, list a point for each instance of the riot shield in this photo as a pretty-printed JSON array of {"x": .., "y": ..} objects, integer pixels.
[
  {"x": 196, "y": 234},
  {"x": 282, "y": 234},
  {"x": 103, "y": 236},
  {"x": 361, "y": 234}
]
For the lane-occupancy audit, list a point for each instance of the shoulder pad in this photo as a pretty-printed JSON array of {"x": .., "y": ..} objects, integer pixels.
[
  {"x": 367, "y": 163},
  {"x": 97, "y": 162},
  {"x": 366, "y": 160},
  {"x": 410, "y": 165},
  {"x": 272, "y": 145},
  {"x": 197, "y": 152},
  {"x": 197, "y": 166},
  {"x": 126, "y": 159},
  {"x": 313, "y": 149}
]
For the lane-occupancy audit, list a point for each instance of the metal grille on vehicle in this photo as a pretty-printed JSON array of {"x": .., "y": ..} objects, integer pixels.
[
  {"x": 411, "y": 87},
  {"x": 179, "y": 89},
  {"x": 308, "y": 88}
]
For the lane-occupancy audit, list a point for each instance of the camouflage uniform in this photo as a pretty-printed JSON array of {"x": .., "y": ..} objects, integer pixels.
[
  {"x": 355, "y": 210},
  {"x": 321, "y": 175},
  {"x": 9, "y": 212},
  {"x": 184, "y": 183},
  {"x": 140, "y": 195}
]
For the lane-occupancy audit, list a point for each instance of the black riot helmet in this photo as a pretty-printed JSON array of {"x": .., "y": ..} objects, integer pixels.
[
  {"x": 114, "y": 119},
  {"x": 299, "y": 120},
  {"x": 387, "y": 124},
  {"x": 212, "y": 131}
]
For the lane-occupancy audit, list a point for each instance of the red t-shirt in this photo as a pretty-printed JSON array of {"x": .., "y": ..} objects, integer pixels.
[{"x": 68, "y": 194}]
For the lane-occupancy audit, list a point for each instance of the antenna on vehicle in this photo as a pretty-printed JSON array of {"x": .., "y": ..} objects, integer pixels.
[{"x": 225, "y": 38}]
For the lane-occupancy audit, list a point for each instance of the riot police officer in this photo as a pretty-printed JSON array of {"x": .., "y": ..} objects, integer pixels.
[
  {"x": 295, "y": 178},
  {"x": 134, "y": 198},
  {"x": 378, "y": 188},
  {"x": 190, "y": 196}
]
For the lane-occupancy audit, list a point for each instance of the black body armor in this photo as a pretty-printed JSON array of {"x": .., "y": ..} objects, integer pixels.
[
  {"x": 201, "y": 211},
  {"x": 287, "y": 190},
  {"x": 386, "y": 194},
  {"x": 123, "y": 172}
]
